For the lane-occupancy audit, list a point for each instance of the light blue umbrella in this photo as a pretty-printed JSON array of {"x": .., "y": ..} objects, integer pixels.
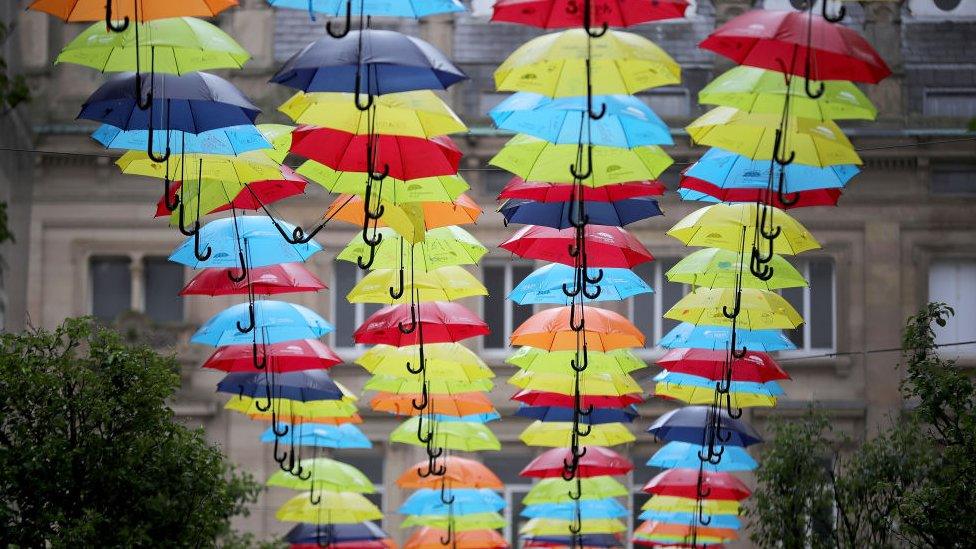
[
  {"x": 714, "y": 521},
  {"x": 729, "y": 170},
  {"x": 275, "y": 321},
  {"x": 608, "y": 508},
  {"x": 322, "y": 435},
  {"x": 232, "y": 140},
  {"x": 684, "y": 455},
  {"x": 265, "y": 245},
  {"x": 545, "y": 285},
  {"x": 467, "y": 501},
  {"x": 473, "y": 418},
  {"x": 691, "y": 195},
  {"x": 717, "y": 338},
  {"x": 628, "y": 122},
  {"x": 673, "y": 378},
  {"x": 389, "y": 8}
]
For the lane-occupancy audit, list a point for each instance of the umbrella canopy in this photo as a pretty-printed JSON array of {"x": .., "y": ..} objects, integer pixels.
[
  {"x": 588, "y": 541},
  {"x": 446, "y": 361},
  {"x": 275, "y": 321},
  {"x": 678, "y": 454},
  {"x": 543, "y": 398},
  {"x": 438, "y": 321},
  {"x": 532, "y": 158},
  {"x": 719, "y": 337},
  {"x": 441, "y": 247},
  {"x": 691, "y": 189},
  {"x": 682, "y": 532},
  {"x": 282, "y": 278},
  {"x": 460, "y": 523},
  {"x": 404, "y": 217},
  {"x": 694, "y": 394},
  {"x": 758, "y": 309},
  {"x": 721, "y": 226},
  {"x": 556, "y": 490},
  {"x": 400, "y": 8},
  {"x": 413, "y": 385},
  {"x": 596, "y": 461},
  {"x": 590, "y": 509},
  {"x": 690, "y": 505},
  {"x": 628, "y": 122},
  {"x": 459, "y": 473},
  {"x": 604, "y": 330},
  {"x": 605, "y": 246},
  {"x": 557, "y": 14},
  {"x": 718, "y": 268},
  {"x": 727, "y": 170},
  {"x": 220, "y": 197},
  {"x": 559, "y": 434},
  {"x": 545, "y": 285},
  {"x": 326, "y": 474},
  {"x": 386, "y": 62},
  {"x": 764, "y": 38},
  {"x": 304, "y": 386},
  {"x": 463, "y": 436},
  {"x": 543, "y": 191},
  {"x": 466, "y": 501},
  {"x": 287, "y": 356},
  {"x": 754, "y": 366},
  {"x": 334, "y": 508},
  {"x": 427, "y": 537},
  {"x": 94, "y": 10},
  {"x": 442, "y": 188},
  {"x": 264, "y": 244},
  {"x": 685, "y": 483},
  {"x": 415, "y": 113},
  {"x": 621, "y": 63},
  {"x": 336, "y": 533},
  {"x": 739, "y": 388},
  {"x": 561, "y": 215},
  {"x": 331, "y": 412},
  {"x": 455, "y": 405},
  {"x": 597, "y": 416},
  {"x": 442, "y": 284},
  {"x": 715, "y": 521},
  {"x": 230, "y": 140},
  {"x": 226, "y": 176},
  {"x": 323, "y": 435},
  {"x": 177, "y": 45},
  {"x": 591, "y": 383},
  {"x": 551, "y": 526},
  {"x": 689, "y": 424},
  {"x": 537, "y": 360}
]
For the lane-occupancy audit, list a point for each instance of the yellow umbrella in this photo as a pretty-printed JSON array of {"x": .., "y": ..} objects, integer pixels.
[
  {"x": 674, "y": 504},
  {"x": 414, "y": 113},
  {"x": 460, "y": 523},
  {"x": 448, "y": 361},
  {"x": 558, "y": 434},
  {"x": 312, "y": 408},
  {"x": 721, "y": 226},
  {"x": 538, "y": 360},
  {"x": 591, "y": 383},
  {"x": 399, "y": 385},
  {"x": 557, "y": 489},
  {"x": 444, "y": 188},
  {"x": 443, "y": 284},
  {"x": 326, "y": 474},
  {"x": 815, "y": 142},
  {"x": 693, "y": 394},
  {"x": 757, "y": 309},
  {"x": 247, "y": 167},
  {"x": 558, "y": 527},
  {"x": 334, "y": 508},
  {"x": 442, "y": 247},
  {"x": 621, "y": 63}
]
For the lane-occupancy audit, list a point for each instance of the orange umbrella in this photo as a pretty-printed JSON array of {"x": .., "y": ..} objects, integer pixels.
[
  {"x": 459, "y": 473},
  {"x": 94, "y": 10},
  {"x": 653, "y": 527},
  {"x": 458, "y": 404},
  {"x": 552, "y": 330},
  {"x": 463, "y": 211},
  {"x": 430, "y": 538}
]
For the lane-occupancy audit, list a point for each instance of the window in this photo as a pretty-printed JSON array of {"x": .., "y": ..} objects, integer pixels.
[
  {"x": 162, "y": 281},
  {"x": 953, "y": 281},
  {"x": 815, "y": 303},
  {"x": 942, "y": 9},
  {"x": 507, "y": 466},
  {"x": 502, "y": 315},
  {"x": 953, "y": 178},
  {"x": 347, "y": 316},
  {"x": 646, "y": 310},
  {"x": 111, "y": 286},
  {"x": 668, "y": 102},
  {"x": 948, "y": 102}
]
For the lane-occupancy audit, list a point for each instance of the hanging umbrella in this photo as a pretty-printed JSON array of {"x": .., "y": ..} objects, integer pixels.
[
  {"x": 768, "y": 39},
  {"x": 718, "y": 338},
  {"x": 691, "y": 189},
  {"x": 718, "y": 268},
  {"x": 430, "y": 538},
  {"x": 546, "y": 526},
  {"x": 690, "y": 505},
  {"x": 460, "y": 523},
  {"x": 281, "y": 278},
  {"x": 456, "y": 405},
  {"x": 688, "y": 482},
  {"x": 754, "y": 366},
  {"x": 542, "y": 398},
  {"x": 690, "y": 423},
  {"x": 443, "y": 188},
  {"x": 442, "y": 284},
  {"x": 466, "y": 501},
  {"x": 682, "y": 532},
  {"x": 334, "y": 508},
  {"x": 722, "y": 226},
  {"x": 532, "y": 158},
  {"x": 262, "y": 239},
  {"x": 627, "y": 122},
  {"x": 368, "y": 62},
  {"x": 591, "y": 509},
  {"x": 596, "y": 461},
  {"x": 459, "y": 473},
  {"x": 604, "y": 247},
  {"x": 597, "y": 416},
  {"x": 714, "y": 521},
  {"x": 228, "y": 175},
  {"x": 230, "y": 140},
  {"x": 438, "y": 321},
  {"x": 560, "y": 215},
  {"x": 756, "y": 309},
  {"x": 322, "y": 435},
  {"x": 275, "y": 320},
  {"x": 414, "y": 385},
  {"x": 621, "y": 63},
  {"x": 555, "y": 14},
  {"x": 588, "y": 541},
  {"x": 301, "y": 386},
  {"x": 466, "y": 437},
  {"x": 326, "y": 474},
  {"x": 95, "y": 10},
  {"x": 400, "y": 8},
  {"x": 737, "y": 396},
  {"x": 551, "y": 330},
  {"x": 537, "y": 360},
  {"x": 332, "y": 412},
  {"x": 462, "y": 211},
  {"x": 685, "y": 455},
  {"x": 556, "y": 490},
  {"x": 728, "y": 170},
  {"x": 543, "y": 191},
  {"x": 287, "y": 356},
  {"x": 337, "y": 533},
  {"x": 448, "y": 361},
  {"x": 415, "y": 113},
  {"x": 591, "y": 383},
  {"x": 559, "y": 434},
  {"x": 441, "y": 247},
  {"x": 215, "y": 198},
  {"x": 545, "y": 285}
]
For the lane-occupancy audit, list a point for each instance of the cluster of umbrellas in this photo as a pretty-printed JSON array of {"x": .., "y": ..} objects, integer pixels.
[
  {"x": 585, "y": 157},
  {"x": 774, "y": 146}
]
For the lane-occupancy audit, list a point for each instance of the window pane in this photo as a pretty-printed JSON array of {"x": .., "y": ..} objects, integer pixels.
[
  {"x": 821, "y": 317},
  {"x": 670, "y": 294},
  {"x": 643, "y": 314},
  {"x": 954, "y": 179},
  {"x": 520, "y": 313},
  {"x": 162, "y": 281},
  {"x": 344, "y": 316},
  {"x": 111, "y": 287},
  {"x": 494, "y": 306},
  {"x": 795, "y": 297},
  {"x": 954, "y": 282}
]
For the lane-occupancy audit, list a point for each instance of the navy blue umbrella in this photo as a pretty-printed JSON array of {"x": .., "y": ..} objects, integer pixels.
[
  {"x": 371, "y": 62},
  {"x": 692, "y": 424},
  {"x": 336, "y": 533},
  {"x": 302, "y": 386},
  {"x": 587, "y": 540},
  {"x": 599, "y": 415},
  {"x": 561, "y": 215}
]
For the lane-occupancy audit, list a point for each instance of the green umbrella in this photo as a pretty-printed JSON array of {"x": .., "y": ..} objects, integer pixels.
[
  {"x": 460, "y": 523},
  {"x": 718, "y": 268},
  {"x": 556, "y": 490},
  {"x": 441, "y": 247},
  {"x": 326, "y": 474},
  {"x": 451, "y": 435}
]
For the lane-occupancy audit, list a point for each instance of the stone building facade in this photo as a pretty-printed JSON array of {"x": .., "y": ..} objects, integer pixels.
[{"x": 905, "y": 231}]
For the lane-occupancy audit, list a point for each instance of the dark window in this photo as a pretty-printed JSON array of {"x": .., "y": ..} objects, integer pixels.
[
  {"x": 954, "y": 178},
  {"x": 111, "y": 286},
  {"x": 162, "y": 281}
]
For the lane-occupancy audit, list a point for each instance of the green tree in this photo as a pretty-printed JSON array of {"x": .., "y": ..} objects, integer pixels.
[
  {"x": 13, "y": 89},
  {"x": 90, "y": 454}
]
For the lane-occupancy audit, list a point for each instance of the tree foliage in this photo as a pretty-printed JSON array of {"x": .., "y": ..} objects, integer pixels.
[
  {"x": 90, "y": 454},
  {"x": 911, "y": 484},
  {"x": 13, "y": 88}
]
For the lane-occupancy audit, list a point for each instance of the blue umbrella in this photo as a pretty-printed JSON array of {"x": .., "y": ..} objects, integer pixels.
[
  {"x": 714, "y": 521},
  {"x": 473, "y": 418},
  {"x": 302, "y": 386},
  {"x": 545, "y": 285},
  {"x": 231, "y": 141},
  {"x": 717, "y": 338},
  {"x": 690, "y": 195},
  {"x": 691, "y": 423},
  {"x": 598, "y": 416},
  {"x": 726, "y": 169},
  {"x": 262, "y": 238},
  {"x": 628, "y": 122},
  {"x": 586, "y": 540},
  {"x": 467, "y": 501},
  {"x": 383, "y": 62},
  {"x": 560, "y": 215},
  {"x": 335, "y": 533},
  {"x": 684, "y": 455},
  {"x": 386, "y": 8},
  {"x": 589, "y": 509},
  {"x": 673, "y": 378},
  {"x": 322, "y": 435},
  {"x": 277, "y": 321}
]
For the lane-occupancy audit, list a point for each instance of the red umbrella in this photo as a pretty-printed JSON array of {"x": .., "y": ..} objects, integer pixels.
[
  {"x": 683, "y": 483},
  {"x": 596, "y": 461},
  {"x": 559, "y": 14},
  {"x": 605, "y": 246},
  {"x": 542, "y": 398},
  {"x": 777, "y": 40},
  {"x": 542, "y": 191},
  {"x": 439, "y": 321},
  {"x": 273, "y": 279},
  {"x": 287, "y": 356},
  {"x": 407, "y": 157},
  {"x": 799, "y": 199},
  {"x": 264, "y": 192},
  {"x": 753, "y": 367}
]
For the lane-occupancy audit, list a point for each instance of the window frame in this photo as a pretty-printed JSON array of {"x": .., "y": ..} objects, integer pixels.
[
  {"x": 359, "y": 310},
  {"x": 500, "y": 353},
  {"x": 803, "y": 266}
]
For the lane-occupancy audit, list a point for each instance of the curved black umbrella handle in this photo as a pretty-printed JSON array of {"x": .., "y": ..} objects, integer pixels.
[
  {"x": 576, "y": 493},
  {"x": 396, "y": 292},
  {"x": 734, "y": 312},
  {"x": 573, "y": 324},
  {"x": 243, "y": 275},
  {"x": 149, "y": 142},
  {"x": 424, "y": 398},
  {"x": 182, "y": 220},
  {"x": 446, "y": 499},
  {"x": 588, "y": 22},
  {"x": 580, "y": 365},
  {"x": 145, "y": 104},
  {"x": 409, "y": 328},
  {"x": 735, "y": 351},
  {"x": 577, "y": 171},
  {"x": 421, "y": 364},
  {"x": 371, "y": 244},
  {"x": 736, "y": 414},
  {"x": 250, "y": 313},
  {"x": 778, "y": 145},
  {"x": 841, "y": 13},
  {"x": 450, "y": 533},
  {"x": 201, "y": 256},
  {"x": 759, "y": 268},
  {"x": 110, "y": 24},
  {"x": 258, "y": 364},
  {"x": 812, "y": 93},
  {"x": 358, "y": 93},
  {"x": 267, "y": 403},
  {"x": 594, "y": 115},
  {"x": 596, "y": 279},
  {"x": 783, "y": 196},
  {"x": 280, "y": 459},
  {"x": 171, "y": 206},
  {"x": 328, "y": 25},
  {"x": 577, "y": 287}
]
